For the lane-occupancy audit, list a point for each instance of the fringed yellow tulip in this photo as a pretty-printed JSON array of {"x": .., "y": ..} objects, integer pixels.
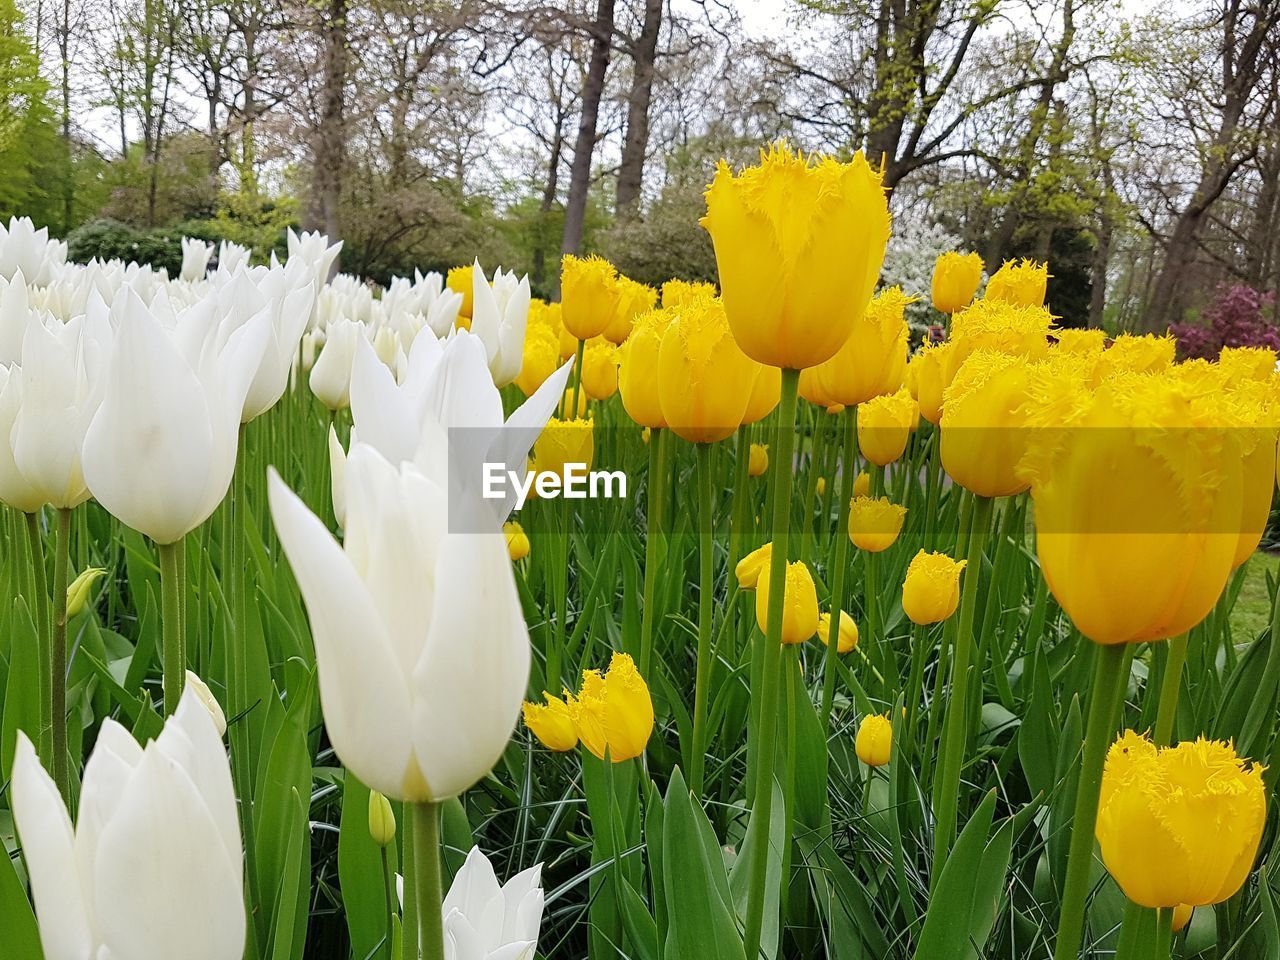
[
  {"x": 874, "y": 743},
  {"x": 600, "y": 369},
  {"x": 983, "y": 424},
  {"x": 638, "y": 374},
  {"x": 955, "y": 280},
  {"x": 799, "y": 244},
  {"x": 1088, "y": 343},
  {"x": 987, "y": 324},
  {"x": 541, "y": 357},
  {"x": 931, "y": 589},
  {"x": 1247, "y": 363},
  {"x": 551, "y": 723},
  {"x": 1019, "y": 282},
  {"x": 588, "y": 295},
  {"x": 758, "y": 460},
  {"x": 676, "y": 292},
  {"x": 702, "y": 373},
  {"x": 846, "y": 639},
  {"x": 752, "y": 565},
  {"x": 884, "y": 426},
  {"x": 874, "y": 524},
  {"x": 613, "y": 711},
  {"x": 799, "y": 603},
  {"x": 517, "y": 540},
  {"x": 1130, "y": 354},
  {"x": 1179, "y": 825},
  {"x": 873, "y": 359},
  {"x": 563, "y": 442},
  {"x": 634, "y": 298}
]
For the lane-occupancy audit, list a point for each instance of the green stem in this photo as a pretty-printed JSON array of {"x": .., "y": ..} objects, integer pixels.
[
  {"x": 1130, "y": 931},
  {"x": 430, "y": 887},
  {"x": 658, "y": 479},
  {"x": 409, "y": 870},
  {"x": 559, "y": 634},
  {"x": 388, "y": 883},
  {"x": 739, "y": 520},
  {"x": 58, "y": 656},
  {"x": 946, "y": 796},
  {"x": 1170, "y": 685},
  {"x": 175, "y": 658},
  {"x": 1164, "y": 934},
  {"x": 848, "y": 472},
  {"x": 40, "y": 614},
  {"x": 577, "y": 380},
  {"x": 1107, "y": 689},
  {"x": 770, "y": 650},
  {"x": 706, "y": 595}
]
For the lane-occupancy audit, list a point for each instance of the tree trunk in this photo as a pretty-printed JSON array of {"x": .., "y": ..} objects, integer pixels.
[
  {"x": 549, "y": 193},
  {"x": 636, "y": 142},
  {"x": 64, "y": 51},
  {"x": 584, "y": 147},
  {"x": 329, "y": 140}
]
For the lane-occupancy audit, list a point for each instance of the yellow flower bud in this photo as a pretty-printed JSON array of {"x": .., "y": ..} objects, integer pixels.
[
  {"x": 638, "y": 375},
  {"x": 758, "y": 461},
  {"x": 676, "y": 292},
  {"x": 567, "y": 403},
  {"x": 1130, "y": 354},
  {"x": 562, "y": 442},
  {"x": 1179, "y": 825},
  {"x": 645, "y": 434},
  {"x": 541, "y": 357},
  {"x": 874, "y": 524},
  {"x": 874, "y": 743},
  {"x": 702, "y": 373},
  {"x": 382, "y": 820},
  {"x": 799, "y": 603},
  {"x": 821, "y": 486},
  {"x": 588, "y": 295},
  {"x": 460, "y": 280},
  {"x": 799, "y": 244},
  {"x": 872, "y": 361},
  {"x": 749, "y": 567},
  {"x": 80, "y": 588},
  {"x": 862, "y": 484},
  {"x": 551, "y": 723},
  {"x": 600, "y": 370},
  {"x": 930, "y": 374},
  {"x": 847, "y": 638},
  {"x": 884, "y": 426},
  {"x": 517, "y": 540},
  {"x": 634, "y": 298},
  {"x": 984, "y": 433},
  {"x": 955, "y": 280},
  {"x": 613, "y": 710},
  {"x": 1087, "y": 343},
  {"x": 1182, "y": 916},
  {"x": 1018, "y": 330},
  {"x": 931, "y": 589},
  {"x": 1020, "y": 282},
  {"x": 1247, "y": 363}
]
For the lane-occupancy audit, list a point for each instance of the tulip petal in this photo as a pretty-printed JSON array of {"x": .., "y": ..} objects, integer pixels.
[
  {"x": 475, "y": 894},
  {"x": 115, "y": 757},
  {"x": 377, "y": 408},
  {"x": 47, "y": 842},
  {"x": 512, "y": 445},
  {"x": 362, "y": 689}
]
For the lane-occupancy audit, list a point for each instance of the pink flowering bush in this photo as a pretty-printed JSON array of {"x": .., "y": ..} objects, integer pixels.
[{"x": 1240, "y": 317}]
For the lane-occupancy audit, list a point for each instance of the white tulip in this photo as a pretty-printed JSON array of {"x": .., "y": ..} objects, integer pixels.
[
  {"x": 161, "y": 449},
  {"x": 316, "y": 252},
  {"x": 487, "y": 921},
  {"x": 290, "y": 295},
  {"x": 232, "y": 256},
  {"x": 420, "y": 641},
  {"x": 26, "y": 249},
  {"x": 152, "y": 870},
  {"x": 196, "y": 255},
  {"x": 499, "y": 317},
  {"x": 201, "y": 690},
  {"x": 330, "y": 377},
  {"x": 15, "y": 489},
  {"x": 15, "y": 307},
  {"x": 338, "y": 476}
]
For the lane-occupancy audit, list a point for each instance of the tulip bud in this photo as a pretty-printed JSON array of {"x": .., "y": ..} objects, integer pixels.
[
  {"x": 1078, "y": 342},
  {"x": 873, "y": 360},
  {"x": 551, "y": 723},
  {"x": 955, "y": 280},
  {"x": 517, "y": 540},
  {"x": 874, "y": 743},
  {"x": 931, "y": 589},
  {"x": 874, "y": 524},
  {"x": 884, "y": 425},
  {"x": 646, "y": 434},
  {"x": 600, "y": 370},
  {"x": 588, "y": 295},
  {"x": 209, "y": 701},
  {"x": 1182, "y": 916},
  {"x": 984, "y": 435},
  {"x": 862, "y": 485},
  {"x": 337, "y": 477},
  {"x": 750, "y": 567},
  {"x": 676, "y": 292},
  {"x": 821, "y": 486},
  {"x": 758, "y": 459},
  {"x": 382, "y": 820},
  {"x": 541, "y": 357},
  {"x": 799, "y": 603},
  {"x": 562, "y": 442},
  {"x": 765, "y": 394},
  {"x": 80, "y": 588},
  {"x": 638, "y": 374},
  {"x": 1019, "y": 282},
  {"x": 847, "y": 638},
  {"x": 567, "y": 403},
  {"x": 634, "y": 299}
]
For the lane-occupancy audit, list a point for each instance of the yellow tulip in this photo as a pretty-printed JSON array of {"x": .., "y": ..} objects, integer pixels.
[
  {"x": 1130, "y": 354},
  {"x": 873, "y": 359},
  {"x": 931, "y": 589},
  {"x": 874, "y": 524},
  {"x": 646, "y": 434},
  {"x": 541, "y": 357},
  {"x": 588, "y": 295},
  {"x": 1088, "y": 343},
  {"x": 846, "y": 639},
  {"x": 1020, "y": 282},
  {"x": 80, "y": 588},
  {"x": 765, "y": 394},
  {"x": 676, "y": 292},
  {"x": 752, "y": 565},
  {"x": 1179, "y": 825},
  {"x": 1248, "y": 363},
  {"x": 983, "y": 426},
  {"x": 955, "y": 280},
  {"x": 874, "y": 743},
  {"x": 634, "y": 298},
  {"x": 987, "y": 324},
  {"x": 517, "y": 540},
  {"x": 884, "y": 425},
  {"x": 566, "y": 403},
  {"x": 459, "y": 280},
  {"x": 702, "y": 373},
  {"x": 562, "y": 442},
  {"x": 600, "y": 369},
  {"x": 862, "y": 484},
  {"x": 810, "y": 388},
  {"x": 821, "y": 486},
  {"x": 614, "y": 710},
  {"x": 1138, "y": 505},
  {"x": 638, "y": 374},
  {"x": 551, "y": 723},
  {"x": 799, "y": 244},
  {"x": 931, "y": 376},
  {"x": 758, "y": 460},
  {"x": 382, "y": 820},
  {"x": 799, "y": 603}
]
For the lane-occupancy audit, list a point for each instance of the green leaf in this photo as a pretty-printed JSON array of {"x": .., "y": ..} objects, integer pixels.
[
  {"x": 21, "y": 936},
  {"x": 289, "y": 933},
  {"x": 360, "y": 870},
  {"x": 22, "y": 696}
]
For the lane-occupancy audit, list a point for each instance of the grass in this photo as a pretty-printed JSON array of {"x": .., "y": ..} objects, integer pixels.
[{"x": 1252, "y": 611}]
